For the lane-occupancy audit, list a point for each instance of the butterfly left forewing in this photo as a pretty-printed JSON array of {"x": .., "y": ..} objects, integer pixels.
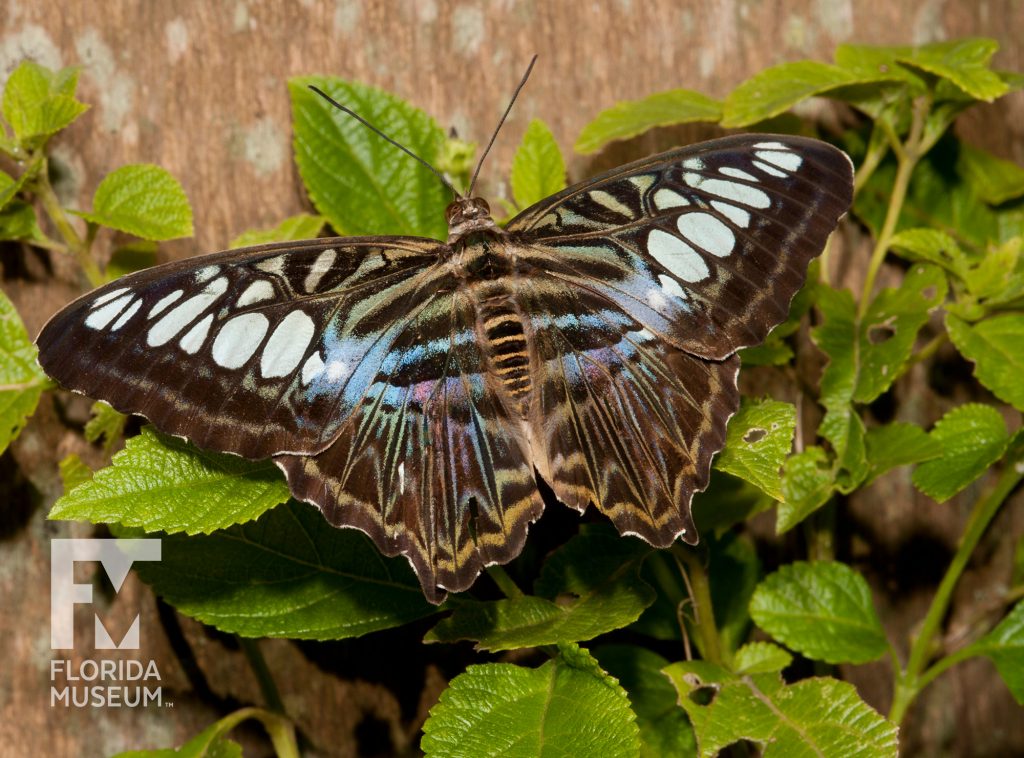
[{"x": 255, "y": 351}]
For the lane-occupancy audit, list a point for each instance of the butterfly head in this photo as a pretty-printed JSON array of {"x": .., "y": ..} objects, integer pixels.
[{"x": 466, "y": 215}]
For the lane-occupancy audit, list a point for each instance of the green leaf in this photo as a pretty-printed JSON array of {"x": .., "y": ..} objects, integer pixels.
[
  {"x": 814, "y": 717},
  {"x": 734, "y": 571},
  {"x": 144, "y": 200},
  {"x": 589, "y": 586},
  {"x": 303, "y": 226},
  {"x": 726, "y": 502},
  {"x": 106, "y": 424},
  {"x": 566, "y": 707},
  {"x": 38, "y": 102},
  {"x": 758, "y": 440},
  {"x": 538, "y": 170},
  {"x": 129, "y": 258},
  {"x": 664, "y": 727},
  {"x": 996, "y": 180},
  {"x": 777, "y": 89},
  {"x": 18, "y": 222},
  {"x": 931, "y": 246},
  {"x": 890, "y": 326},
  {"x": 898, "y": 444},
  {"x": 288, "y": 574},
  {"x": 362, "y": 184},
  {"x": 1004, "y": 645},
  {"x": 10, "y": 187},
  {"x": 163, "y": 483},
  {"x": 73, "y": 472},
  {"x": 213, "y": 742},
  {"x": 837, "y": 338},
  {"x": 996, "y": 348},
  {"x": 21, "y": 379},
  {"x": 760, "y": 658},
  {"x": 964, "y": 62},
  {"x": 823, "y": 610},
  {"x": 632, "y": 117},
  {"x": 973, "y": 437},
  {"x": 807, "y": 484}
]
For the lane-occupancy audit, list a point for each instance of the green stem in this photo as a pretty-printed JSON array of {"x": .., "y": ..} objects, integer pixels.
[
  {"x": 910, "y": 681},
  {"x": 251, "y": 648},
  {"x": 708, "y": 640},
  {"x": 819, "y": 531},
  {"x": 504, "y": 582},
  {"x": 281, "y": 731},
  {"x": 878, "y": 146},
  {"x": 78, "y": 246}
]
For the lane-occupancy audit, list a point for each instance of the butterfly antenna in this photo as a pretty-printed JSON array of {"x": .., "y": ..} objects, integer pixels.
[
  {"x": 494, "y": 136},
  {"x": 378, "y": 132}
]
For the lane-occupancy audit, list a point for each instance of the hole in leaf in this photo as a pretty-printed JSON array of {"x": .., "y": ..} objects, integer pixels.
[
  {"x": 879, "y": 333},
  {"x": 754, "y": 435},
  {"x": 929, "y": 292},
  {"x": 703, "y": 695}
]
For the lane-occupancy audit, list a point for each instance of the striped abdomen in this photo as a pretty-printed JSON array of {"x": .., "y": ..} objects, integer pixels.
[{"x": 506, "y": 345}]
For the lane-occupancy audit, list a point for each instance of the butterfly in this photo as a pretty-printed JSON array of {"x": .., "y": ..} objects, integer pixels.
[{"x": 416, "y": 389}]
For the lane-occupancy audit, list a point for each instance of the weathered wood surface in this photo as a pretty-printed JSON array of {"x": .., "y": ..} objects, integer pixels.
[{"x": 199, "y": 88}]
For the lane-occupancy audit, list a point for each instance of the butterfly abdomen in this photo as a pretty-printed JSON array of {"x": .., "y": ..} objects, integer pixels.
[{"x": 501, "y": 325}]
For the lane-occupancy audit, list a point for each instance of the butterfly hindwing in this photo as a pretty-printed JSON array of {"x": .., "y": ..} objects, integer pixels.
[
  {"x": 257, "y": 351},
  {"x": 705, "y": 245}
]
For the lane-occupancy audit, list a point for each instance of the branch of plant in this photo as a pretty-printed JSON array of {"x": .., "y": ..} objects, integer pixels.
[
  {"x": 910, "y": 681},
  {"x": 258, "y": 664},
  {"x": 505, "y": 583},
  {"x": 708, "y": 640},
  {"x": 281, "y": 731}
]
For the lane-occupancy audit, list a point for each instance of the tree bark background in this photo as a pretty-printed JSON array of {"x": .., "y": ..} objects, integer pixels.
[{"x": 199, "y": 88}]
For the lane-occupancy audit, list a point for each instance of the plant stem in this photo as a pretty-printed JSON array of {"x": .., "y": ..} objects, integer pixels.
[
  {"x": 504, "y": 581},
  {"x": 78, "y": 246},
  {"x": 910, "y": 681},
  {"x": 251, "y": 648},
  {"x": 708, "y": 640}
]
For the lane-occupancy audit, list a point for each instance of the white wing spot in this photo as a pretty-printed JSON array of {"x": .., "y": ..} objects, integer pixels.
[
  {"x": 196, "y": 336},
  {"x": 312, "y": 368},
  {"x": 642, "y": 182},
  {"x": 694, "y": 180},
  {"x": 610, "y": 202},
  {"x": 238, "y": 339},
  {"x": 666, "y": 198},
  {"x": 162, "y": 303},
  {"x": 100, "y": 317},
  {"x": 336, "y": 370},
  {"x": 706, "y": 231},
  {"x": 132, "y": 310},
  {"x": 694, "y": 164},
  {"x": 770, "y": 170},
  {"x": 738, "y": 193},
  {"x": 677, "y": 256},
  {"x": 109, "y": 296},
  {"x": 787, "y": 161},
  {"x": 772, "y": 145},
  {"x": 184, "y": 314},
  {"x": 738, "y": 216},
  {"x": 256, "y": 292},
  {"x": 273, "y": 265},
  {"x": 320, "y": 266},
  {"x": 206, "y": 273},
  {"x": 286, "y": 346},
  {"x": 737, "y": 173},
  {"x": 401, "y": 477},
  {"x": 671, "y": 287}
]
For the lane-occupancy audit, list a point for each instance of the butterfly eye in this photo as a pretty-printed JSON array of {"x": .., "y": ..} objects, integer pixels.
[{"x": 481, "y": 207}]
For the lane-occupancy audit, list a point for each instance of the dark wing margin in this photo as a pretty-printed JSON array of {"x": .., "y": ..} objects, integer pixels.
[
  {"x": 255, "y": 351},
  {"x": 432, "y": 465},
  {"x": 705, "y": 245}
]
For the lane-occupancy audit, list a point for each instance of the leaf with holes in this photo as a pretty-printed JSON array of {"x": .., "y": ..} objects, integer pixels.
[
  {"x": 818, "y": 716},
  {"x": 568, "y": 706},
  {"x": 664, "y": 728},
  {"x": 537, "y": 169},
  {"x": 633, "y": 117},
  {"x": 973, "y": 437},
  {"x": 821, "y": 609},
  {"x": 359, "y": 182},
  {"x": 996, "y": 348},
  {"x": 758, "y": 439},
  {"x": 303, "y": 226},
  {"x": 106, "y": 426},
  {"x": 163, "y": 483},
  {"x": 589, "y": 586},
  {"x": 144, "y": 200},
  {"x": 837, "y": 338},
  {"x": 21, "y": 379},
  {"x": 807, "y": 483},
  {"x": 287, "y": 574}
]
